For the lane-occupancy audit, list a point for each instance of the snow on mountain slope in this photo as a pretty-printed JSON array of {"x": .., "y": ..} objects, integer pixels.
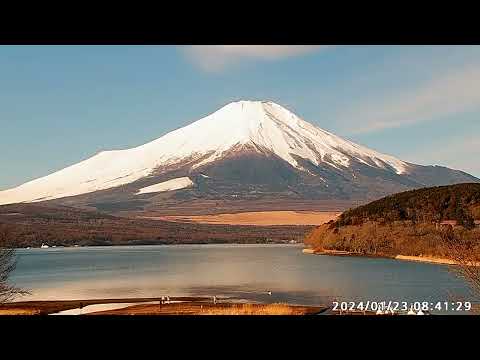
[
  {"x": 265, "y": 125},
  {"x": 173, "y": 184}
]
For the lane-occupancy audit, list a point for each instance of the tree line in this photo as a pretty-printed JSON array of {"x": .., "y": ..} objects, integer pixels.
[{"x": 459, "y": 202}]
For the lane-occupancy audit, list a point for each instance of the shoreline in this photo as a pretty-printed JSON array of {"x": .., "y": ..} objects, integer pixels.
[
  {"x": 156, "y": 306},
  {"x": 430, "y": 259},
  {"x": 210, "y": 308},
  {"x": 46, "y": 307},
  {"x": 343, "y": 253},
  {"x": 285, "y": 243},
  {"x": 421, "y": 259}
]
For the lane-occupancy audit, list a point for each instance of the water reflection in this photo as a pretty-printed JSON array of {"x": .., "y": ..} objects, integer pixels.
[{"x": 243, "y": 272}]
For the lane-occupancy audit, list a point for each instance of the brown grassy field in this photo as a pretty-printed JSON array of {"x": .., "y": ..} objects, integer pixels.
[
  {"x": 196, "y": 308},
  {"x": 49, "y": 307},
  {"x": 261, "y": 218},
  {"x": 20, "y": 311},
  {"x": 185, "y": 306},
  {"x": 231, "y": 206}
]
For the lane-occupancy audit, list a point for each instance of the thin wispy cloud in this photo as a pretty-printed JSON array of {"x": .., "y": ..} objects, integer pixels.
[
  {"x": 452, "y": 93},
  {"x": 217, "y": 58}
]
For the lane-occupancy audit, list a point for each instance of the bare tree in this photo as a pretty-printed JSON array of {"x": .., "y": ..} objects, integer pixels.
[
  {"x": 464, "y": 251},
  {"x": 7, "y": 264}
]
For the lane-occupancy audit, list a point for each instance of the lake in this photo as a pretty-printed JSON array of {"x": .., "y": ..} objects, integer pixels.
[{"x": 244, "y": 272}]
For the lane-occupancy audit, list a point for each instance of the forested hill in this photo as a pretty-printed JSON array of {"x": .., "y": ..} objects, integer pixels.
[
  {"x": 406, "y": 224},
  {"x": 23, "y": 225},
  {"x": 459, "y": 202}
]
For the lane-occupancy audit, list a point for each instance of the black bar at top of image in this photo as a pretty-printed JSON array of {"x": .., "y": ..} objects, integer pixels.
[{"x": 241, "y": 27}]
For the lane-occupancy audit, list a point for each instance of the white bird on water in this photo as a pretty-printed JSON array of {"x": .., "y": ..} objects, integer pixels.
[{"x": 269, "y": 292}]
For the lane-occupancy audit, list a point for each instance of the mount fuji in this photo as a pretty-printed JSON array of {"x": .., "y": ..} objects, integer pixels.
[{"x": 247, "y": 150}]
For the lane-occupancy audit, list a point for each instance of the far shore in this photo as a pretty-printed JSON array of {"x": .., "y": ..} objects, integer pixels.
[
  {"x": 423, "y": 259},
  {"x": 292, "y": 243}
]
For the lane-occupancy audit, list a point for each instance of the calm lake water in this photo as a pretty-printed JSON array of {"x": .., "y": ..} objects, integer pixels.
[{"x": 244, "y": 272}]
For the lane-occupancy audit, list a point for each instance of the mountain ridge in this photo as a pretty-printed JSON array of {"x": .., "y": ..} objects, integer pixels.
[{"x": 303, "y": 161}]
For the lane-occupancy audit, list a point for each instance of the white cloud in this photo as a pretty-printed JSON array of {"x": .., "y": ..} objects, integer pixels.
[
  {"x": 216, "y": 58},
  {"x": 454, "y": 92}
]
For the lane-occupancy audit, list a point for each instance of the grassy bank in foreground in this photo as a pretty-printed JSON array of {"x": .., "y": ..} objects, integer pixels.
[
  {"x": 50, "y": 307},
  {"x": 196, "y": 308},
  {"x": 178, "y": 306}
]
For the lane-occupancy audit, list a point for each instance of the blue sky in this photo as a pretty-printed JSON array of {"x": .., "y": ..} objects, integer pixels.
[{"x": 62, "y": 104}]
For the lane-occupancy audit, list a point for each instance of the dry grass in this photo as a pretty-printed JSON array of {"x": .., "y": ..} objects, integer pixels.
[
  {"x": 19, "y": 311},
  {"x": 264, "y": 218},
  {"x": 184, "y": 306},
  {"x": 203, "y": 308},
  {"x": 256, "y": 309},
  {"x": 53, "y": 306},
  {"x": 475, "y": 309}
]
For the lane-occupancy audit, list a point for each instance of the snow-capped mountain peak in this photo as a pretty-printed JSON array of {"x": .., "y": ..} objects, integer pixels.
[
  {"x": 262, "y": 125},
  {"x": 269, "y": 126}
]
